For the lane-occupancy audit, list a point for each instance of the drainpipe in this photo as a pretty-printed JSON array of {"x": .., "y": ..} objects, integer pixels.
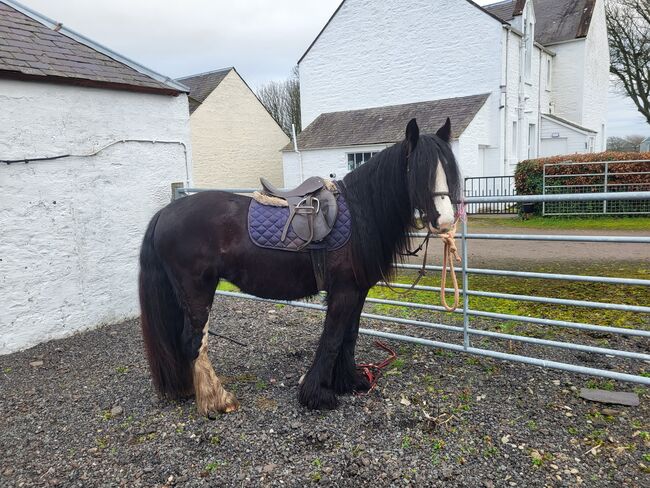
[
  {"x": 539, "y": 105},
  {"x": 295, "y": 149},
  {"x": 505, "y": 110}
]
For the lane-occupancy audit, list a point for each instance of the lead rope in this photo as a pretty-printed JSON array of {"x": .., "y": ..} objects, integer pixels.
[{"x": 449, "y": 253}]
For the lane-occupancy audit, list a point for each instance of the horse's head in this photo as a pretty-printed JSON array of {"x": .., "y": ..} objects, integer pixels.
[{"x": 434, "y": 181}]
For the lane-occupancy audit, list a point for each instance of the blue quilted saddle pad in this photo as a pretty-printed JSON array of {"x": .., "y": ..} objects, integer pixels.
[{"x": 265, "y": 225}]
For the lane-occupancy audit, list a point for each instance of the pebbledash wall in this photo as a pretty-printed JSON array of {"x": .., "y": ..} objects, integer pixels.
[{"x": 72, "y": 228}]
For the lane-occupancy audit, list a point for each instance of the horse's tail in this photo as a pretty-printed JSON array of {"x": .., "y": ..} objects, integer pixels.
[{"x": 162, "y": 322}]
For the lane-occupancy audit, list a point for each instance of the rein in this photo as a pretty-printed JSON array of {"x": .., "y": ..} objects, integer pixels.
[{"x": 449, "y": 253}]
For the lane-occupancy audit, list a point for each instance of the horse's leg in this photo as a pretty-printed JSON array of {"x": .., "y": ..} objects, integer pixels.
[
  {"x": 346, "y": 377},
  {"x": 316, "y": 389},
  {"x": 210, "y": 394}
]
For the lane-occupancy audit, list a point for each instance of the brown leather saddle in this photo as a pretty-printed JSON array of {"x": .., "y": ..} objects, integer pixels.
[{"x": 312, "y": 208}]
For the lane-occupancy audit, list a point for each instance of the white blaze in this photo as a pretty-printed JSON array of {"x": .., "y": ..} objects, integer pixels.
[{"x": 443, "y": 203}]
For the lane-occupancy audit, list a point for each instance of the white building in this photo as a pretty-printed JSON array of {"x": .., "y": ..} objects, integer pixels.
[
  {"x": 89, "y": 145},
  {"x": 542, "y": 64}
]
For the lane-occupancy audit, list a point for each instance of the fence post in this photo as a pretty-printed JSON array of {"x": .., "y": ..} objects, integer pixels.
[
  {"x": 544, "y": 190},
  {"x": 466, "y": 342},
  {"x": 605, "y": 186}
]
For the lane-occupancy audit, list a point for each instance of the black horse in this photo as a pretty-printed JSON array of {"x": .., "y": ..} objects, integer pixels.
[{"x": 196, "y": 241}]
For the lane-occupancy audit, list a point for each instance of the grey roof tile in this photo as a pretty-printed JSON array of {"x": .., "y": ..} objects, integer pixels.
[
  {"x": 556, "y": 20},
  {"x": 387, "y": 124},
  {"x": 202, "y": 85},
  {"x": 30, "y": 48}
]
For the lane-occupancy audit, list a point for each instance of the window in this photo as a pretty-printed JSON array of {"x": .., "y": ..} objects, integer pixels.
[
  {"x": 514, "y": 140},
  {"x": 357, "y": 159},
  {"x": 532, "y": 141}
]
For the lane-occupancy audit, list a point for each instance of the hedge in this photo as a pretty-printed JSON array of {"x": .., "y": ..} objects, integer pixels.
[{"x": 529, "y": 173}]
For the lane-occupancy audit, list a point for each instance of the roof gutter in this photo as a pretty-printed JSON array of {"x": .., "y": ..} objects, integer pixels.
[
  {"x": 521, "y": 34},
  {"x": 58, "y": 27}
]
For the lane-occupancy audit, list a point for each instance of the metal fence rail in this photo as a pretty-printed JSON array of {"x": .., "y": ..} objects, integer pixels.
[
  {"x": 481, "y": 186},
  {"x": 468, "y": 332},
  {"x": 606, "y": 180}
]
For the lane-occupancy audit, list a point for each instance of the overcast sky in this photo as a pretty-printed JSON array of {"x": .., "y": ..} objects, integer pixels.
[{"x": 263, "y": 39}]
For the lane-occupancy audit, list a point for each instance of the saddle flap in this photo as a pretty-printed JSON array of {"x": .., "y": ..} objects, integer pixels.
[{"x": 314, "y": 227}]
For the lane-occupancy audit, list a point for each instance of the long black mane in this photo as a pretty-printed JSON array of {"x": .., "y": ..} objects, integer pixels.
[{"x": 383, "y": 195}]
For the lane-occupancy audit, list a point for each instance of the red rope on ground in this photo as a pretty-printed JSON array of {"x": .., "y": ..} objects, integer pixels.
[{"x": 373, "y": 371}]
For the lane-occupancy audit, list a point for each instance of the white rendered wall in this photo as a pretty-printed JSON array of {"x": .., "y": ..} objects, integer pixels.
[
  {"x": 467, "y": 149},
  {"x": 576, "y": 141},
  {"x": 596, "y": 80},
  {"x": 321, "y": 162},
  {"x": 72, "y": 228},
  {"x": 393, "y": 52},
  {"x": 568, "y": 79}
]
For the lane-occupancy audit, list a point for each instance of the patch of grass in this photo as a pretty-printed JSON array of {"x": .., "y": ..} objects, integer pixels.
[
  {"x": 212, "y": 466},
  {"x": 598, "y": 292},
  {"x": 317, "y": 473},
  {"x": 215, "y": 440},
  {"x": 572, "y": 431},
  {"x": 102, "y": 442},
  {"x": 141, "y": 439},
  {"x": 406, "y": 442},
  {"x": 261, "y": 385},
  {"x": 122, "y": 369},
  {"x": 490, "y": 451},
  {"x": 596, "y": 384},
  {"x": 532, "y": 425},
  {"x": 127, "y": 422},
  {"x": 226, "y": 286},
  {"x": 106, "y": 415},
  {"x": 7, "y": 370},
  {"x": 646, "y": 457},
  {"x": 590, "y": 222},
  {"x": 436, "y": 446}
]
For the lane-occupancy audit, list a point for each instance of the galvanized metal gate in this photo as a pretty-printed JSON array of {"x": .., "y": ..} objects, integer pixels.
[
  {"x": 468, "y": 333},
  {"x": 595, "y": 177}
]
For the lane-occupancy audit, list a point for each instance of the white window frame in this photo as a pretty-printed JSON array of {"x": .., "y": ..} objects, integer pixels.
[{"x": 356, "y": 159}]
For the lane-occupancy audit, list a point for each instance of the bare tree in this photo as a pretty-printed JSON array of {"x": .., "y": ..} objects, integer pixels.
[
  {"x": 635, "y": 141},
  {"x": 628, "y": 25},
  {"x": 618, "y": 144},
  {"x": 282, "y": 100}
]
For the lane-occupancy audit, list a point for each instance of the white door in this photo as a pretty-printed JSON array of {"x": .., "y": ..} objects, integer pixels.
[{"x": 555, "y": 146}]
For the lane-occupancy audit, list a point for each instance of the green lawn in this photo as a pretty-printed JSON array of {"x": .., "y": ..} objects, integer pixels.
[
  {"x": 537, "y": 222},
  {"x": 631, "y": 295}
]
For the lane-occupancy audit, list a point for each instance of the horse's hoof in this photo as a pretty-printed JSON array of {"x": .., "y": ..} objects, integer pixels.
[
  {"x": 226, "y": 404},
  {"x": 317, "y": 398},
  {"x": 231, "y": 403},
  {"x": 361, "y": 383},
  {"x": 354, "y": 383}
]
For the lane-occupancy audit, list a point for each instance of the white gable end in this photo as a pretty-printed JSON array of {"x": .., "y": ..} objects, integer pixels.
[{"x": 393, "y": 52}]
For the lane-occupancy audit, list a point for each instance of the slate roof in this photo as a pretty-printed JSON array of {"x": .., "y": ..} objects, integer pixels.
[
  {"x": 387, "y": 124},
  {"x": 556, "y": 20},
  {"x": 202, "y": 85},
  {"x": 568, "y": 122},
  {"x": 30, "y": 49}
]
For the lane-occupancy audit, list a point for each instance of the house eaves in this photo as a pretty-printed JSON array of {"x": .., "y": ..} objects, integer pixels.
[{"x": 60, "y": 28}]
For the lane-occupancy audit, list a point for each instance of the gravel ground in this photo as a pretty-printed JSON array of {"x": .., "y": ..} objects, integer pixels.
[{"x": 81, "y": 412}]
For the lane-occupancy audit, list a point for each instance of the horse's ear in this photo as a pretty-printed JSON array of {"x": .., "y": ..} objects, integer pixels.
[
  {"x": 412, "y": 133},
  {"x": 444, "y": 132}
]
